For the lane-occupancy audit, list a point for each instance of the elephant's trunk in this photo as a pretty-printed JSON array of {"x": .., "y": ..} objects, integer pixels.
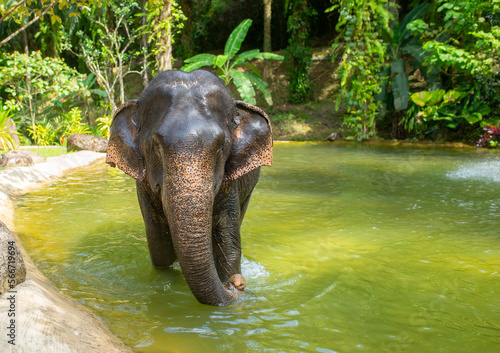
[{"x": 189, "y": 195}]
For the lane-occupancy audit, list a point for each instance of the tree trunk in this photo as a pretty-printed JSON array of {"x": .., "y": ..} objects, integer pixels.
[
  {"x": 164, "y": 56},
  {"x": 145, "y": 77},
  {"x": 187, "y": 32},
  {"x": 28, "y": 82},
  {"x": 267, "y": 36},
  {"x": 267, "y": 25}
]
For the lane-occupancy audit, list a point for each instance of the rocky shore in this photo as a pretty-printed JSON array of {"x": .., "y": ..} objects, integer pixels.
[{"x": 34, "y": 315}]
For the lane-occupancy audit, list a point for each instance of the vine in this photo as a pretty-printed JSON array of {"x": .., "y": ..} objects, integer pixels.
[
  {"x": 363, "y": 55},
  {"x": 297, "y": 53}
]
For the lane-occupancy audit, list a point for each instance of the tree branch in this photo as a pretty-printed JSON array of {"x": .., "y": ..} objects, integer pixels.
[
  {"x": 29, "y": 23},
  {"x": 13, "y": 8}
]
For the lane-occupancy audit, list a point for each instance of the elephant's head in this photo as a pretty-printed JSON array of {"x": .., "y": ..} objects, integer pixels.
[{"x": 185, "y": 136}]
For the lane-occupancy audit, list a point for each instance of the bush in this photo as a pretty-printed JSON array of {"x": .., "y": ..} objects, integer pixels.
[{"x": 6, "y": 141}]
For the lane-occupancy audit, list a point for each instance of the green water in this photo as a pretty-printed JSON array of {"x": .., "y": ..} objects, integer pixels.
[{"x": 346, "y": 249}]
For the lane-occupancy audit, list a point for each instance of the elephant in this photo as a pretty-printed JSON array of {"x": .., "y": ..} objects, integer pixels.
[{"x": 195, "y": 154}]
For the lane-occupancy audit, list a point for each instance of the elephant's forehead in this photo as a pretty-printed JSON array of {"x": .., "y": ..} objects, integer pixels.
[
  {"x": 182, "y": 87},
  {"x": 187, "y": 84}
]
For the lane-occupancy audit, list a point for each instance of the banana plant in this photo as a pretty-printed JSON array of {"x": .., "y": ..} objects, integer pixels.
[
  {"x": 227, "y": 65},
  {"x": 400, "y": 40},
  {"x": 6, "y": 140}
]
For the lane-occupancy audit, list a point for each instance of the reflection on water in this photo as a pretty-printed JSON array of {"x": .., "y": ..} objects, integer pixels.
[{"x": 346, "y": 249}]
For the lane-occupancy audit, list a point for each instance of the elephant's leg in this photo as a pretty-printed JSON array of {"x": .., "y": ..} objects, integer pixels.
[
  {"x": 246, "y": 184},
  {"x": 158, "y": 235},
  {"x": 226, "y": 240}
]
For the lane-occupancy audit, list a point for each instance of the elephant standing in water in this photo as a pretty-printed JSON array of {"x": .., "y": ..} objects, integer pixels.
[{"x": 195, "y": 154}]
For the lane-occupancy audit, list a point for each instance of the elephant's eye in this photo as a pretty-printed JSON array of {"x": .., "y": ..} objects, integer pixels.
[
  {"x": 156, "y": 149},
  {"x": 220, "y": 151}
]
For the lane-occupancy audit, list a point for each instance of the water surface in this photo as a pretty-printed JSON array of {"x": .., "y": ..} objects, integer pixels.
[{"x": 346, "y": 249}]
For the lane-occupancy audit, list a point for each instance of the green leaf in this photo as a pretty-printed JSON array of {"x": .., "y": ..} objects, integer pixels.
[
  {"x": 398, "y": 66},
  {"x": 244, "y": 86},
  {"x": 194, "y": 66},
  {"x": 428, "y": 98},
  {"x": 256, "y": 54},
  {"x": 237, "y": 37},
  {"x": 472, "y": 118},
  {"x": 261, "y": 85},
  {"x": 209, "y": 58},
  {"x": 254, "y": 68},
  {"x": 272, "y": 56},
  {"x": 400, "y": 89},
  {"x": 491, "y": 121},
  {"x": 220, "y": 60},
  {"x": 480, "y": 107},
  {"x": 100, "y": 92},
  {"x": 417, "y": 13},
  {"x": 248, "y": 55},
  {"x": 452, "y": 96}
]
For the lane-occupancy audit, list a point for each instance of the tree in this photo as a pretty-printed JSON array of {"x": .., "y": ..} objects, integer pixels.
[
  {"x": 23, "y": 10},
  {"x": 267, "y": 34},
  {"x": 32, "y": 84},
  {"x": 164, "y": 20},
  {"x": 164, "y": 54},
  {"x": 105, "y": 48}
]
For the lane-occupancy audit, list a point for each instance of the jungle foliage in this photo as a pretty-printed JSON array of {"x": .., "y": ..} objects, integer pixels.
[{"x": 404, "y": 69}]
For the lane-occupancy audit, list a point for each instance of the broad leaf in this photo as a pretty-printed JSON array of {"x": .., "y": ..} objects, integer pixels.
[
  {"x": 220, "y": 60},
  {"x": 428, "y": 98},
  {"x": 100, "y": 92},
  {"x": 452, "y": 96},
  {"x": 198, "y": 61},
  {"x": 400, "y": 89},
  {"x": 415, "y": 14},
  {"x": 480, "y": 107},
  {"x": 398, "y": 66},
  {"x": 201, "y": 58},
  {"x": 254, "y": 68},
  {"x": 261, "y": 85},
  {"x": 237, "y": 37},
  {"x": 194, "y": 66},
  {"x": 244, "y": 86},
  {"x": 491, "y": 121},
  {"x": 472, "y": 118},
  {"x": 248, "y": 55},
  {"x": 415, "y": 50},
  {"x": 272, "y": 56},
  {"x": 256, "y": 54}
]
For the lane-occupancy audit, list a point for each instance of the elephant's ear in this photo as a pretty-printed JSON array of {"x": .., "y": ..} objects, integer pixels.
[
  {"x": 252, "y": 141},
  {"x": 123, "y": 148}
]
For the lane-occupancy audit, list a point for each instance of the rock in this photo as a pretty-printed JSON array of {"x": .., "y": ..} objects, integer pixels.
[
  {"x": 81, "y": 142},
  {"x": 20, "y": 159},
  {"x": 12, "y": 268},
  {"x": 334, "y": 136}
]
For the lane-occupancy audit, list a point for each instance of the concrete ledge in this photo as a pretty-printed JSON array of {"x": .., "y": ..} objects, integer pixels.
[{"x": 45, "y": 319}]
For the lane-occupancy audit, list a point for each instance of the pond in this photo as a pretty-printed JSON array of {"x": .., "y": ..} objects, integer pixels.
[{"x": 346, "y": 249}]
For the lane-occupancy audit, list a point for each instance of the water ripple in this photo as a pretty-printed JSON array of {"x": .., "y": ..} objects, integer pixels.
[{"x": 488, "y": 170}]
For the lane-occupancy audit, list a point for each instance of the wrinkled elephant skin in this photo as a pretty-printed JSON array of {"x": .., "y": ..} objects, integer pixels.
[{"x": 195, "y": 154}]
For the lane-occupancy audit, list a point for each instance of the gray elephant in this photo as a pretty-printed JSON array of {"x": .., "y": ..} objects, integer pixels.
[{"x": 195, "y": 154}]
